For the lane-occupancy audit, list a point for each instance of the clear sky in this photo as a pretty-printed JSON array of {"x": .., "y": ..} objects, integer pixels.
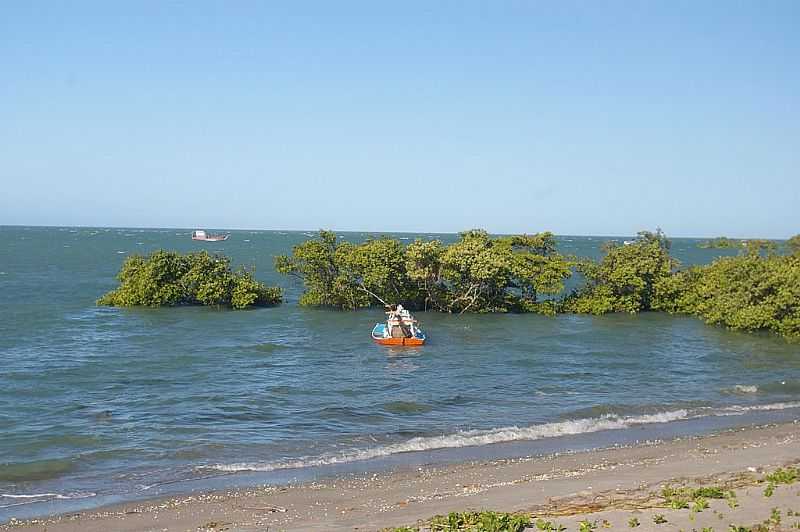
[{"x": 577, "y": 117}]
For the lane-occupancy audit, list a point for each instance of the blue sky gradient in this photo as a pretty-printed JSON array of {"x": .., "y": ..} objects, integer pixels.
[{"x": 518, "y": 116}]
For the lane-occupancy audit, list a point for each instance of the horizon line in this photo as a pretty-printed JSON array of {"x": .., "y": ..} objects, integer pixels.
[{"x": 386, "y": 232}]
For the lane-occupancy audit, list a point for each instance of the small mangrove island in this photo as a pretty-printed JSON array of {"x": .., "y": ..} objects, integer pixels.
[
  {"x": 168, "y": 278},
  {"x": 721, "y": 242}
]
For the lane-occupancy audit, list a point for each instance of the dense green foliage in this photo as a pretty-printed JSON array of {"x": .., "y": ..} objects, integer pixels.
[
  {"x": 748, "y": 292},
  {"x": 793, "y": 245},
  {"x": 478, "y": 273},
  {"x": 167, "y": 278},
  {"x": 484, "y": 274},
  {"x": 485, "y": 521},
  {"x": 344, "y": 275},
  {"x": 756, "y": 290},
  {"x": 626, "y": 279}
]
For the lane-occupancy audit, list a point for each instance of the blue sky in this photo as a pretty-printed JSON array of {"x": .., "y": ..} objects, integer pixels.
[{"x": 575, "y": 117}]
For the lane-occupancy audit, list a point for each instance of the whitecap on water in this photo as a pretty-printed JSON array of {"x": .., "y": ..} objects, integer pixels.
[
  {"x": 473, "y": 438},
  {"x": 469, "y": 438},
  {"x": 18, "y": 499}
]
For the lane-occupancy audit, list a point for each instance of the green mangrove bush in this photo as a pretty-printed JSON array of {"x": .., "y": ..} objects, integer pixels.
[
  {"x": 793, "y": 245},
  {"x": 626, "y": 279},
  {"x": 759, "y": 289},
  {"x": 748, "y": 292},
  {"x": 721, "y": 242},
  {"x": 478, "y": 273},
  {"x": 168, "y": 278}
]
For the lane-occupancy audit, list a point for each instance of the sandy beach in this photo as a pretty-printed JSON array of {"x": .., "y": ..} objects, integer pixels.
[{"x": 609, "y": 486}]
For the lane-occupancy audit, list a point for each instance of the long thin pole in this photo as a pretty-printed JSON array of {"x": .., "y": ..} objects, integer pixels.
[{"x": 365, "y": 289}]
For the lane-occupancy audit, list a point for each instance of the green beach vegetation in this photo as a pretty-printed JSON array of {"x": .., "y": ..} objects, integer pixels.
[
  {"x": 484, "y": 521},
  {"x": 168, "y": 278},
  {"x": 692, "y": 499},
  {"x": 793, "y": 245},
  {"x": 756, "y": 290}
]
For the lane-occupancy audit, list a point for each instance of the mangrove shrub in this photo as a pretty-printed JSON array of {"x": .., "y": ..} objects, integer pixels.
[
  {"x": 721, "y": 242},
  {"x": 748, "y": 292},
  {"x": 168, "y": 278},
  {"x": 756, "y": 290},
  {"x": 793, "y": 245},
  {"x": 626, "y": 279},
  {"x": 478, "y": 273}
]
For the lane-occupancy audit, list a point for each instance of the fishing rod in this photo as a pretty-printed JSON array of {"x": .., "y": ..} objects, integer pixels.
[{"x": 373, "y": 294}]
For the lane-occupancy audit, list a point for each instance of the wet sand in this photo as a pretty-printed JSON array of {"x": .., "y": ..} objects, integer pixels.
[{"x": 609, "y": 486}]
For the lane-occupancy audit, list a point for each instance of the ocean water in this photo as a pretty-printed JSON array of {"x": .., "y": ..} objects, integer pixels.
[{"x": 101, "y": 405}]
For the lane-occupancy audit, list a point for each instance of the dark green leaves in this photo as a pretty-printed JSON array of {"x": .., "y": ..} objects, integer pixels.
[
  {"x": 167, "y": 278},
  {"x": 627, "y": 277},
  {"x": 476, "y": 274},
  {"x": 757, "y": 290}
]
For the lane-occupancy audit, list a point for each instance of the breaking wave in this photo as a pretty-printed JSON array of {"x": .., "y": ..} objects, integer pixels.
[
  {"x": 473, "y": 438},
  {"x": 469, "y": 438},
  {"x": 18, "y": 499},
  {"x": 736, "y": 410}
]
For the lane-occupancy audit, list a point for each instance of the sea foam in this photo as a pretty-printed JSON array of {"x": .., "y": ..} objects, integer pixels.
[
  {"x": 473, "y": 438},
  {"x": 469, "y": 438},
  {"x": 30, "y": 498}
]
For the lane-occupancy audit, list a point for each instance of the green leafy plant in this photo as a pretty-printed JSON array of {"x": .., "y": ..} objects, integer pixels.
[
  {"x": 485, "y": 521},
  {"x": 699, "y": 504},
  {"x": 750, "y": 292},
  {"x": 659, "y": 519},
  {"x": 758, "y": 290},
  {"x": 787, "y": 475},
  {"x": 775, "y": 517},
  {"x": 793, "y": 245},
  {"x": 541, "y": 524},
  {"x": 168, "y": 278},
  {"x": 633, "y": 522},
  {"x": 721, "y": 242},
  {"x": 625, "y": 280},
  {"x": 730, "y": 498},
  {"x": 478, "y": 273}
]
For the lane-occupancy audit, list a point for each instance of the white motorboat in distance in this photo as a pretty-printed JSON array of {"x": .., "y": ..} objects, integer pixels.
[{"x": 208, "y": 237}]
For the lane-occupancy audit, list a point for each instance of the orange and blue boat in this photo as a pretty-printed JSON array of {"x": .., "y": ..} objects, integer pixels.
[{"x": 400, "y": 328}]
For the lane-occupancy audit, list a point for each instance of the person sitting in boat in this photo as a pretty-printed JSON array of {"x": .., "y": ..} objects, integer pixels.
[
  {"x": 397, "y": 322},
  {"x": 405, "y": 322}
]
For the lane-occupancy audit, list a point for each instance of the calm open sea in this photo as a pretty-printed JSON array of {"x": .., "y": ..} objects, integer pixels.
[{"x": 100, "y": 405}]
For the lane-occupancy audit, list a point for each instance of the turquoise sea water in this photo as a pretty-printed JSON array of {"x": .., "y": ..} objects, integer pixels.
[{"x": 99, "y": 405}]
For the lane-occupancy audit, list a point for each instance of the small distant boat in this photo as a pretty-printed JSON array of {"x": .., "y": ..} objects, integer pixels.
[
  {"x": 208, "y": 237},
  {"x": 400, "y": 328}
]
